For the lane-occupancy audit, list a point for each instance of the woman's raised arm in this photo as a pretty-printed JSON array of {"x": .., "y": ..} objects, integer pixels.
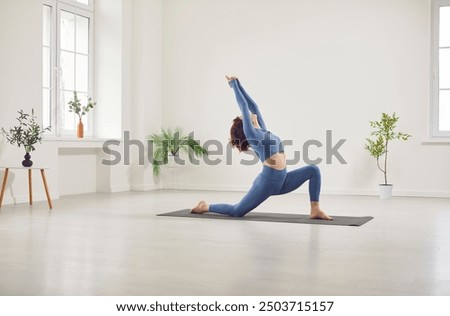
[{"x": 251, "y": 105}]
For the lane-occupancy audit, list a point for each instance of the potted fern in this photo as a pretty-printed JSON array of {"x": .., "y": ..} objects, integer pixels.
[
  {"x": 167, "y": 146},
  {"x": 27, "y": 134},
  {"x": 384, "y": 132},
  {"x": 80, "y": 110}
]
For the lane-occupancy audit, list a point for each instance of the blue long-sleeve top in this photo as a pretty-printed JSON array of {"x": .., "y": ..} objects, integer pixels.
[{"x": 264, "y": 143}]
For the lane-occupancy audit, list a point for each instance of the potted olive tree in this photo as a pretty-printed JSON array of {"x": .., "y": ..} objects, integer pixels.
[
  {"x": 384, "y": 132},
  {"x": 76, "y": 107},
  {"x": 167, "y": 146},
  {"x": 27, "y": 134}
]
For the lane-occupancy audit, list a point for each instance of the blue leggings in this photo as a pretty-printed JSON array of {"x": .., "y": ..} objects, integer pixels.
[{"x": 273, "y": 182}]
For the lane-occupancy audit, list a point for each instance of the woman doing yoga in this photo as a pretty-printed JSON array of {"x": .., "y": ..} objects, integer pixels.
[{"x": 250, "y": 131}]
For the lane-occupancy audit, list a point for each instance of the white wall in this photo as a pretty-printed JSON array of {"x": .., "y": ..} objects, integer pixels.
[
  {"x": 108, "y": 68},
  {"x": 146, "y": 37},
  {"x": 113, "y": 84},
  {"x": 74, "y": 165},
  {"x": 312, "y": 66},
  {"x": 20, "y": 88}
]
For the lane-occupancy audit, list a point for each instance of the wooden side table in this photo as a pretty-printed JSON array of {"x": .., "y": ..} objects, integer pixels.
[{"x": 30, "y": 183}]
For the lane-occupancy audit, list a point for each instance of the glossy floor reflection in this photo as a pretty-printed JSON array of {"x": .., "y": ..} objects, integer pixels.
[{"x": 114, "y": 244}]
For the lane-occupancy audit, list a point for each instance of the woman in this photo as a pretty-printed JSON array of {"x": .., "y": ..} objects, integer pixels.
[{"x": 250, "y": 131}]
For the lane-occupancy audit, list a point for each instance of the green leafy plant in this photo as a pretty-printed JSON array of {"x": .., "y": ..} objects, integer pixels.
[
  {"x": 171, "y": 142},
  {"x": 384, "y": 132},
  {"x": 76, "y": 107},
  {"x": 27, "y": 134}
]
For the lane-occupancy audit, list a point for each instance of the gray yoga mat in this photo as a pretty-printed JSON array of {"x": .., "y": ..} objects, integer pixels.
[{"x": 276, "y": 217}]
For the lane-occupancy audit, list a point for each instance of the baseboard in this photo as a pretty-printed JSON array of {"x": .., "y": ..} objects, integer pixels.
[
  {"x": 399, "y": 193},
  {"x": 428, "y": 194},
  {"x": 119, "y": 188},
  {"x": 9, "y": 200},
  {"x": 144, "y": 187},
  {"x": 211, "y": 187}
]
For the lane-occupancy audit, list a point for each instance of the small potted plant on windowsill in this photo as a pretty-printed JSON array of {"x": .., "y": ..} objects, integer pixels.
[
  {"x": 167, "y": 146},
  {"x": 80, "y": 110},
  {"x": 27, "y": 134},
  {"x": 384, "y": 132}
]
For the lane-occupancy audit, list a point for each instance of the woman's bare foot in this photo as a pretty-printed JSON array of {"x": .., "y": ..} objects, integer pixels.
[
  {"x": 201, "y": 208},
  {"x": 317, "y": 213}
]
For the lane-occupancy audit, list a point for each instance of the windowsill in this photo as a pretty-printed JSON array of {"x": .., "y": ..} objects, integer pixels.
[
  {"x": 74, "y": 142},
  {"x": 436, "y": 141}
]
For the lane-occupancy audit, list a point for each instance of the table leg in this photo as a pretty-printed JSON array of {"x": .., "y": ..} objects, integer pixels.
[
  {"x": 30, "y": 186},
  {"x": 5, "y": 178},
  {"x": 49, "y": 200}
]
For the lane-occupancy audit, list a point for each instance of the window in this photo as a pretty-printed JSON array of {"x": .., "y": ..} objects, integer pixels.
[
  {"x": 47, "y": 67},
  {"x": 67, "y": 62},
  {"x": 441, "y": 69}
]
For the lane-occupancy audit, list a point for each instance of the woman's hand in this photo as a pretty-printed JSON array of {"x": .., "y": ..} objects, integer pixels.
[
  {"x": 231, "y": 79},
  {"x": 255, "y": 120}
]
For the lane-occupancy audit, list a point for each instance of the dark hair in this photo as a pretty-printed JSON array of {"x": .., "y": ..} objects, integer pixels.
[{"x": 237, "y": 136}]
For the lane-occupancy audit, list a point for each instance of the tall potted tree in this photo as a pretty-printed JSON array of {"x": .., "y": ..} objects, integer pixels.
[
  {"x": 167, "y": 146},
  {"x": 384, "y": 132},
  {"x": 27, "y": 134}
]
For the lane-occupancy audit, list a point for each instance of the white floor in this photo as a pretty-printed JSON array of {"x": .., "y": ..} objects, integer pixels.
[{"x": 102, "y": 244}]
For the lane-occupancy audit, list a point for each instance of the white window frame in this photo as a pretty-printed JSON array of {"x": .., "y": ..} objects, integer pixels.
[
  {"x": 89, "y": 7},
  {"x": 434, "y": 124},
  {"x": 53, "y": 69},
  {"x": 82, "y": 10}
]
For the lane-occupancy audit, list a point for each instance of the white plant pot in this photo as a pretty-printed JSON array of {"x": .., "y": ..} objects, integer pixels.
[
  {"x": 173, "y": 161},
  {"x": 385, "y": 191}
]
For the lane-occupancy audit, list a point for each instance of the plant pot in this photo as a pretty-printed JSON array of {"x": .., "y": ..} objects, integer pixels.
[
  {"x": 80, "y": 129},
  {"x": 385, "y": 191},
  {"x": 27, "y": 162},
  {"x": 173, "y": 161}
]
